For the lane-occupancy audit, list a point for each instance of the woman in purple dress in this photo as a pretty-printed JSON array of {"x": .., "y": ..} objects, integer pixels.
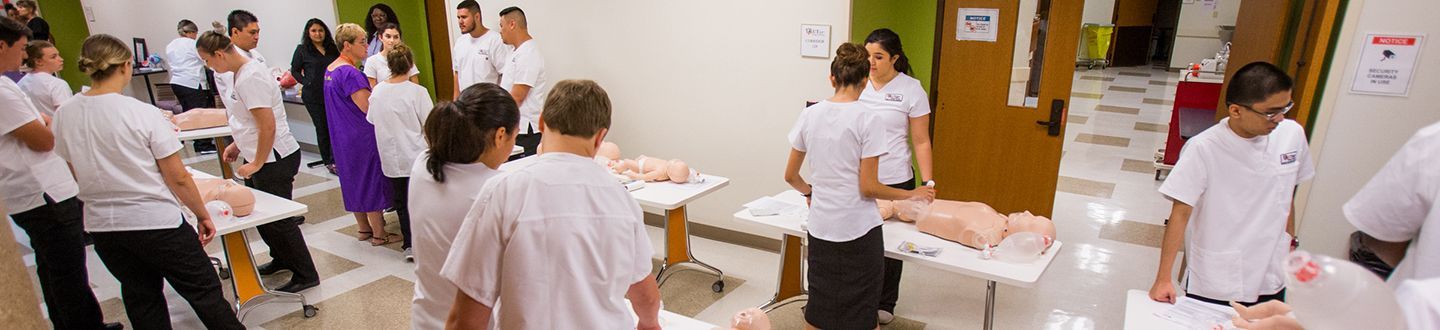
[{"x": 363, "y": 185}]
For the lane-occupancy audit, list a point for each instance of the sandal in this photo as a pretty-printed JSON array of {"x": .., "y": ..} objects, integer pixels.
[
  {"x": 331, "y": 168},
  {"x": 366, "y": 235},
  {"x": 389, "y": 238}
]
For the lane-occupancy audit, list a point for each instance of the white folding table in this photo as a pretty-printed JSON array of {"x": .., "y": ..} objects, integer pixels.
[
  {"x": 669, "y": 199},
  {"x": 218, "y": 134},
  {"x": 250, "y": 291},
  {"x": 953, "y": 257},
  {"x": 1141, "y": 312}
]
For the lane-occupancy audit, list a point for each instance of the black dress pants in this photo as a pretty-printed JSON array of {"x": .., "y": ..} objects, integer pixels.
[
  {"x": 56, "y": 232},
  {"x": 286, "y": 241},
  {"x": 400, "y": 198},
  {"x": 144, "y": 260}
]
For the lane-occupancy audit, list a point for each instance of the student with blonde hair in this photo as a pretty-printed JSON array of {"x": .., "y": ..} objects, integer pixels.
[{"x": 126, "y": 158}]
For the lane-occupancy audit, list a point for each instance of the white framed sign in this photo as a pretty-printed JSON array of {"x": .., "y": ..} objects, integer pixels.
[
  {"x": 977, "y": 24},
  {"x": 815, "y": 40},
  {"x": 1387, "y": 64}
]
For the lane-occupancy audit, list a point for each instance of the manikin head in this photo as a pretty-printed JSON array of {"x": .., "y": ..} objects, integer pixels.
[
  {"x": 1258, "y": 99},
  {"x": 750, "y": 319},
  {"x": 1024, "y": 222},
  {"x": 679, "y": 172},
  {"x": 241, "y": 199},
  {"x": 609, "y": 150}
]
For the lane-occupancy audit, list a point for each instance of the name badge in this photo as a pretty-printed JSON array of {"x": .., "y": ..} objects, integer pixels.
[
  {"x": 1288, "y": 158},
  {"x": 894, "y": 97}
]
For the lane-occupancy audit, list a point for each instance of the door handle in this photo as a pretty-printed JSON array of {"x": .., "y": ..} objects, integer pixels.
[{"x": 1057, "y": 109}]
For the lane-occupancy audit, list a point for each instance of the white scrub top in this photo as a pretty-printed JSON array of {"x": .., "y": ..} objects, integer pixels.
[
  {"x": 1398, "y": 204},
  {"x": 26, "y": 174},
  {"x": 46, "y": 91},
  {"x": 1241, "y": 190},
  {"x": 113, "y": 142},
  {"x": 436, "y": 212},
  {"x": 223, "y": 81},
  {"x": 527, "y": 67},
  {"x": 378, "y": 68},
  {"x": 480, "y": 59},
  {"x": 1420, "y": 302},
  {"x": 901, "y": 99},
  {"x": 255, "y": 88},
  {"x": 186, "y": 67},
  {"x": 557, "y": 242},
  {"x": 398, "y": 112},
  {"x": 834, "y": 138}
]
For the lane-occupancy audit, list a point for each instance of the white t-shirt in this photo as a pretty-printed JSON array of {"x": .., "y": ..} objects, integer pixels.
[
  {"x": 378, "y": 68},
  {"x": 255, "y": 88},
  {"x": 26, "y": 174},
  {"x": 527, "y": 67},
  {"x": 1398, "y": 204},
  {"x": 46, "y": 91},
  {"x": 901, "y": 99},
  {"x": 113, "y": 141},
  {"x": 223, "y": 81},
  {"x": 186, "y": 68},
  {"x": 558, "y": 243},
  {"x": 480, "y": 59},
  {"x": 436, "y": 212},
  {"x": 1420, "y": 302},
  {"x": 398, "y": 112},
  {"x": 834, "y": 138},
  {"x": 1241, "y": 191}
]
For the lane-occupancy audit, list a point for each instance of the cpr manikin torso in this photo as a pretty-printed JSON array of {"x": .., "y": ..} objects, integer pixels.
[
  {"x": 1018, "y": 237},
  {"x": 241, "y": 199},
  {"x": 200, "y": 118}
]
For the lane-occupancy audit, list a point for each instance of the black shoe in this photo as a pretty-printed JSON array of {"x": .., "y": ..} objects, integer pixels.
[
  {"x": 269, "y": 268},
  {"x": 293, "y": 287},
  {"x": 113, "y": 326}
]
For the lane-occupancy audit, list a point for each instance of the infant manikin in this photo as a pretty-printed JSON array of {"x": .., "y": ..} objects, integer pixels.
[
  {"x": 1020, "y": 237},
  {"x": 645, "y": 168},
  {"x": 240, "y": 198},
  {"x": 750, "y": 319},
  {"x": 200, "y": 118}
]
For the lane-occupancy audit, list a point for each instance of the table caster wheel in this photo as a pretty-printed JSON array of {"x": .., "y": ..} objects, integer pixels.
[
  {"x": 718, "y": 286},
  {"x": 310, "y": 311},
  {"x": 224, "y": 274}
]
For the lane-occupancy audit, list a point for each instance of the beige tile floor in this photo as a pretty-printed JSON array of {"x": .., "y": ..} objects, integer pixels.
[{"x": 1107, "y": 211}]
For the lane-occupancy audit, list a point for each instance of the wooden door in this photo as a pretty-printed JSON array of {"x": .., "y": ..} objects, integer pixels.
[
  {"x": 985, "y": 149},
  {"x": 1134, "y": 26}
]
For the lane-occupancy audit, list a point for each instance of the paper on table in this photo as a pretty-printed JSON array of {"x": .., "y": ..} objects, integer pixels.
[
  {"x": 767, "y": 206},
  {"x": 1195, "y": 314}
]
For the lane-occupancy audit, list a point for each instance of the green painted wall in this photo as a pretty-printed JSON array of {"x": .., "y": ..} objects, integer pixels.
[
  {"x": 412, "y": 24},
  {"x": 67, "y": 25},
  {"x": 914, "y": 20}
]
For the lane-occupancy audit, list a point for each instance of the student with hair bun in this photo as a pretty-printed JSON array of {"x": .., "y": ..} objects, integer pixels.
[
  {"x": 847, "y": 248},
  {"x": 126, "y": 158},
  {"x": 398, "y": 108}
]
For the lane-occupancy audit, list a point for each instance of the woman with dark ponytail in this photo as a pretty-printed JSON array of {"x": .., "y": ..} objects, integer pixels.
[
  {"x": 847, "y": 246},
  {"x": 468, "y": 140},
  {"x": 902, "y": 110}
]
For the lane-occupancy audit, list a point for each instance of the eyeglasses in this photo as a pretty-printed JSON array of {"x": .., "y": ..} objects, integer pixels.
[{"x": 1271, "y": 115}]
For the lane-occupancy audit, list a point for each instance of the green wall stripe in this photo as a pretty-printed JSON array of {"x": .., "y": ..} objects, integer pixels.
[
  {"x": 914, "y": 20},
  {"x": 67, "y": 26},
  {"x": 415, "y": 32}
]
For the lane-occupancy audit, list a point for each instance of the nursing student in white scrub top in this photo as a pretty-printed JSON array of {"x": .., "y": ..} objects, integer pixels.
[
  {"x": 126, "y": 160},
  {"x": 1398, "y": 207},
  {"x": 376, "y": 68},
  {"x": 507, "y": 260},
  {"x": 469, "y": 139},
  {"x": 903, "y": 112},
  {"x": 245, "y": 35},
  {"x": 271, "y": 154},
  {"x": 843, "y": 141},
  {"x": 398, "y": 109},
  {"x": 1232, "y": 191},
  {"x": 40, "y": 193},
  {"x": 479, "y": 53},
  {"x": 524, "y": 77},
  {"x": 45, "y": 90}
]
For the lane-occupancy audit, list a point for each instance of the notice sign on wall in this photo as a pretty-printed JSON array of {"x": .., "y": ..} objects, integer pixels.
[
  {"x": 977, "y": 24},
  {"x": 815, "y": 40},
  {"x": 1387, "y": 64}
]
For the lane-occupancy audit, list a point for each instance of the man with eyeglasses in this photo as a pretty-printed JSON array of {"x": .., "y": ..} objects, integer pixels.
[{"x": 1232, "y": 190}]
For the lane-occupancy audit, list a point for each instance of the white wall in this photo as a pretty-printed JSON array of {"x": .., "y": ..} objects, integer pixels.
[
  {"x": 1356, "y": 134},
  {"x": 1020, "y": 56},
  {"x": 281, "y": 23},
  {"x": 717, "y": 84},
  {"x": 1098, "y": 12},
  {"x": 1197, "y": 35}
]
